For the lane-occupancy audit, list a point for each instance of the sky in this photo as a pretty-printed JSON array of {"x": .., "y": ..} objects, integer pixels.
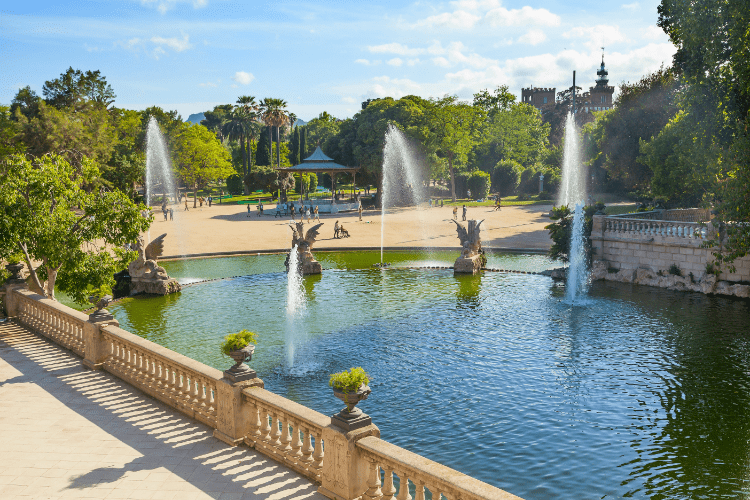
[{"x": 191, "y": 55}]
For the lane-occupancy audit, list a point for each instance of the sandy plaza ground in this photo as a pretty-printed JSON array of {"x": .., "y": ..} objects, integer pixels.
[{"x": 227, "y": 229}]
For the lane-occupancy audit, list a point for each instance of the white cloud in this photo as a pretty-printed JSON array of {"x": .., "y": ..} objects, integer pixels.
[
  {"x": 441, "y": 61},
  {"x": 243, "y": 77},
  {"x": 363, "y": 61},
  {"x": 207, "y": 84},
  {"x": 533, "y": 37},
  {"x": 525, "y": 16},
  {"x": 597, "y": 36},
  {"x": 163, "y": 6},
  {"x": 394, "y": 48},
  {"x": 350, "y": 100},
  {"x": 631, "y": 6},
  {"x": 654, "y": 33},
  {"x": 396, "y": 61},
  {"x": 412, "y": 62},
  {"x": 458, "y": 20},
  {"x": 176, "y": 44}
]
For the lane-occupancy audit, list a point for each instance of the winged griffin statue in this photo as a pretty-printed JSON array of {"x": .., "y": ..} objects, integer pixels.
[
  {"x": 145, "y": 274},
  {"x": 470, "y": 260},
  {"x": 304, "y": 244}
]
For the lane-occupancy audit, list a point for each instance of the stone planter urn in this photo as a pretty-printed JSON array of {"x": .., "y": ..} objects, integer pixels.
[
  {"x": 240, "y": 371},
  {"x": 15, "y": 272},
  {"x": 351, "y": 418}
]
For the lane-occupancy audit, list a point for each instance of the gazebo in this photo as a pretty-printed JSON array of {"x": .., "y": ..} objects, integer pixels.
[{"x": 317, "y": 163}]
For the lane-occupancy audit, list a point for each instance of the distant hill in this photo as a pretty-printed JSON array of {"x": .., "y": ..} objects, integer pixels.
[
  {"x": 300, "y": 123},
  {"x": 196, "y": 118}
]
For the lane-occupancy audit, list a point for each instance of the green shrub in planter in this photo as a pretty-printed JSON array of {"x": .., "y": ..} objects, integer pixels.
[
  {"x": 349, "y": 381},
  {"x": 237, "y": 341}
]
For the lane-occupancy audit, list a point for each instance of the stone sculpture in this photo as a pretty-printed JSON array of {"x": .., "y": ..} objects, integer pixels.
[
  {"x": 146, "y": 276},
  {"x": 470, "y": 260},
  {"x": 304, "y": 245}
]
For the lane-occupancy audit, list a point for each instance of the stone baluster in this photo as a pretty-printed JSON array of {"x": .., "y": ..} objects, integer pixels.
[
  {"x": 297, "y": 444},
  {"x": 419, "y": 491},
  {"x": 388, "y": 489},
  {"x": 179, "y": 384},
  {"x": 318, "y": 454},
  {"x": 256, "y": 434},
  {"x": 307, "y": 450},
  {"x": 267, "y": 427},
  {"x": 287, "y": 436},
  {"x": 276, "y": 434},
  {"x": 403, "y": 486},
  {"x": 373, "y": 481},
  {"x": 203, "y": 394}
]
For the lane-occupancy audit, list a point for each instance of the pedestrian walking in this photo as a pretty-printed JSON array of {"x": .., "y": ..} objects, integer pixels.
[
  {"x": 455, "y": 213},
  {"x": 497, "y": 203},
  {"x": 464, "y": 213},
  {"x": 260, "y": 209},
  {"x": 164, "y": 211},
  {"x": 171, "y": 214},
  {"x": 248, "y": 210},
  {"x": 307, "y": 213},
  {"x": 317, "y": 215},
  {"x": 210, "y": 199},
  {"x": 186, "y": 206},
  {"x": 336, "y": 230},
  {"x": 292, "y": 210},
  {"x": 360, "y": 211}
]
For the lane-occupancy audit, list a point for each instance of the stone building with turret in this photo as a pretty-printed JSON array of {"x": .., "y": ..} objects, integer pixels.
[{"x": 598, "y": 97}]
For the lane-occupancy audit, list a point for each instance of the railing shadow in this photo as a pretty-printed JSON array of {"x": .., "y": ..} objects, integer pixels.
[{"x": 175, "y": 450}]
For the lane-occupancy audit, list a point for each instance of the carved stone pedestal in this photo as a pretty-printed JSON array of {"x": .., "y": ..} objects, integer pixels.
[
  {"x": 311, "y": 267},
  {"x": 467, "y": 265},
  {"x": 232, "y": 420},
  {"x": 154, "y": 286}
]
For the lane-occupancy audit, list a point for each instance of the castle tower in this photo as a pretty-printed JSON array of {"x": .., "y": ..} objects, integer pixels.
[
  {"x": 538, "y": 97},
  {"x": 600, "y": 96}
]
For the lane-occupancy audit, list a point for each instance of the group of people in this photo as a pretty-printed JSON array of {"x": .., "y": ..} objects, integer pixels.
[
  {"x": 339, "y": 231},
  {"x": 463, "y": 214}
]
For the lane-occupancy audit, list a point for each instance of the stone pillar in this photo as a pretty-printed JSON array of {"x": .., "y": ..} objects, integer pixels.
[
  {"x": 96, "y": 351},
  {"x": 597, "y": 235},
  {"x": 8, "y": 299},
  {"x": 232, "y": 417},
  {"x": 344, "y": 474}
]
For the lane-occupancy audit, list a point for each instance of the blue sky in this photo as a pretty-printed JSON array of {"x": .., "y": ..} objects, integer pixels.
[{"x": 191, "y": 55}]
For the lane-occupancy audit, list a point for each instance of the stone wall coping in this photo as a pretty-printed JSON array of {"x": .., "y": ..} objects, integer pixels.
[
  {"x": 168, "y": 354},
  {"x": 290, "y": 408},
  {"x": 434, "y": 475}
]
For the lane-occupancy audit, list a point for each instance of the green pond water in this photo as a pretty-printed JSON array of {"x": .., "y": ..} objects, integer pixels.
[{"x": 638, "y": 392}]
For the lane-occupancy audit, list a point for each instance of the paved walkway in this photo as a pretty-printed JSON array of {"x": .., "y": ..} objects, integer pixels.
[{"x": 68, "y": 432}]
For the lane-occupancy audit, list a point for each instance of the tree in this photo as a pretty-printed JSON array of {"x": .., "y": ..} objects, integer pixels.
[
  {"x": 74, "y": 88},
  {"x": 275, "y": 115},
  {"x": 215, "y": 120},
  {"x": 322, "y": 128},
  {"x": 294, "y": 157},
  {"x": 8, "y": 131},
  {"x": 500, "y": 99},
  {"x": 303, "y": 144},
  {"x": 479, "y": 184},
  {"x": 453, "y": 125},
  {"x": 201, "y": 158},
  {"x": 25, "y": 102},
  {"x": 49, "y": 216},
  {"x": 263, "y": 149}
]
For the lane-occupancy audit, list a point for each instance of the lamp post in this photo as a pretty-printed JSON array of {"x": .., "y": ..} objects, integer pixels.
[{"x": 541, "y": 182}]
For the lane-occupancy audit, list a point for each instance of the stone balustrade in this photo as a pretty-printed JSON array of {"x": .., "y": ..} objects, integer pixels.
[
  {"x": 675, "y": 215},
  {"x": 409, "y": 467},
  {"x": 346, "y": 464},
  {"x": 183, "y": 383},
  {"x": 646, "y": 228},
  {"x": 61, "y": 324}
]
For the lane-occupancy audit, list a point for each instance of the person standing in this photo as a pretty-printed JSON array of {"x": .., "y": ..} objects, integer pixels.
[
  {"x": 260, "y": 208},
  {"x": 336, "y": 230},
  {"x": 292, "y": 210},
  {"x": 497, "y": 203},
  {"x": 186, "y": 205},
  {"x": 164, "y": 211},
  {"x": 317, "y": 214},
  {"x": 171, "y": 214},
  {"x": 464, "y": 213},
  {"x": 210, "y": 199},
  {"x": 455, "y": 213},
  {"x": 248, "y": 210},
  {"x": 360, "y": 211}
]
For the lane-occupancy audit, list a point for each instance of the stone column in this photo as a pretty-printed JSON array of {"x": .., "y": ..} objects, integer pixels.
[
  {"x": 232, "y": 416},
  {"x": 8, "y": 298},
  {"x": 96, "y": 350},
  {"x": 344, "y": 474}
]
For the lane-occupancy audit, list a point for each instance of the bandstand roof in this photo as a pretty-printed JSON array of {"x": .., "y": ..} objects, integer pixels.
[{"x": 319, "y": 162}]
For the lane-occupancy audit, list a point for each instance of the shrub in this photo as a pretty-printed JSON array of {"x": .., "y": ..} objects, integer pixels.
[
  {"x": 461, "y": 184},
  {"x": 479, "y": 184},
  {"x": 523, "y": 197},
  {"x": 349, "y": 381},
  {"x": 675, "y": 270},
  {"x": 237, "y": 341},
  {"x": 545, "y": 195},
  {"x": 234, "y": 184},
  {"x": 505, "y": 177},
  {"x": 561, "y": 229}
]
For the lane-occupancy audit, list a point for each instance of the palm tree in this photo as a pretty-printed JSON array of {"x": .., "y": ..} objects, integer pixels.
[
  {"x": 234, "y": 130},
  {"x": 250, "y": 114},
  {"x": 275, "y": 115}
]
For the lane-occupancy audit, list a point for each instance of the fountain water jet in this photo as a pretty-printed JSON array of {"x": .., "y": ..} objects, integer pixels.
[
  {"x": 573, "y": 191},
  {"x": 295, "y": 306},
  {"x": 402, "y": 183},
  {"x": 158, "y": 164}
]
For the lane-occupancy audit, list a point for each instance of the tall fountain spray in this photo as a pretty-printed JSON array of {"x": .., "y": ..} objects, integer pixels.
[
  {"x": 402, "y": 183},
  {"x": 573, "y": 192},
  {"x": 295, "y": 306},
  {"x": 159, "y": 177}
]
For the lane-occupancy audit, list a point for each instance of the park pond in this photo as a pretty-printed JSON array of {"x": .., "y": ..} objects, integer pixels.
[{"x": 637, "y": 392}]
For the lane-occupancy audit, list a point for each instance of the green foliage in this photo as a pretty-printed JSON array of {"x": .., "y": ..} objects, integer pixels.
[
  {"x": 319, "y": 130},
  {"x": 8, "y": 131},
  {"x": 560, "y": 231},
  {"x": 675, "y": 270},
  {"x": 479, "y": 184},
  {"x": 505, "y": 177},
  {"x": 349, "y": 381},
  {"x": 313, "y": 181},
  {"x": 234, "y": 184},
  {"x": 200, "y": 157},
  {"x": 75, "y": 87},
  {"x": 641, "y": 110},
  {"x": 263, "y": 152},
  {"x": 461, "y": 185},
  {"x": 46, "y": 212},
  {"x": 492, "y": 102},
  {"x": 237, "y": 341}
]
